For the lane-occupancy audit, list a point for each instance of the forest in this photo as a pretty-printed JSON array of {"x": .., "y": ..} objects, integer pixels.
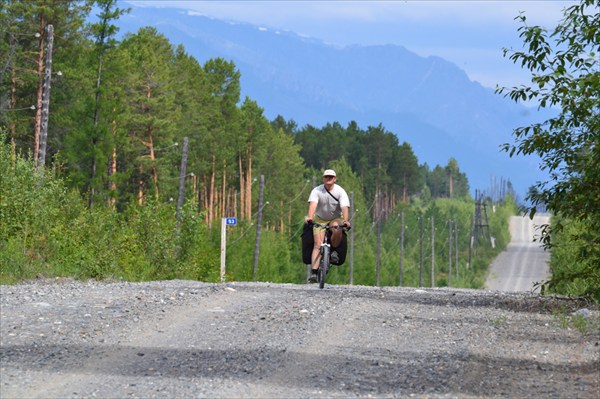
[{"x": 92, "y": 133}]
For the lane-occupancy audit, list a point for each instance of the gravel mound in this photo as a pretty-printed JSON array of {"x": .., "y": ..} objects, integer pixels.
[{"x": 66, "y": 338}]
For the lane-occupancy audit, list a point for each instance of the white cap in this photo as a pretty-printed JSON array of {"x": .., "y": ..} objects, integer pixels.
[{"x": 329, "y": 172}]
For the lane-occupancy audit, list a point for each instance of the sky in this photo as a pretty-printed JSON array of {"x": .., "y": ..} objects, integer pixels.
[{"x": 470, "y": 34}]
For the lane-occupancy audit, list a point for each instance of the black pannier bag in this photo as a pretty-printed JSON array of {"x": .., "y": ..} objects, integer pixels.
[
  {"x": 308, "y": 242},
  {"x": 341, "y": 250}
]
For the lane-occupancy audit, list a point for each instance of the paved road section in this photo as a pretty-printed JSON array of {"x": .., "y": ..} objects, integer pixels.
[{"x": 524, "y": 262}]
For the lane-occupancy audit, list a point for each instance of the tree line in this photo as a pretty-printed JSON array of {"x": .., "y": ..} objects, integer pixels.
[
  {"x": 118, "y": 114},
  {"x": 119, "y": 111},
  {"x": 48, "y": 230}
]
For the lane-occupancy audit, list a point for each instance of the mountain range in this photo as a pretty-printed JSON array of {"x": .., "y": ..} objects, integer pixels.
[{"x": 426, "y": 101}]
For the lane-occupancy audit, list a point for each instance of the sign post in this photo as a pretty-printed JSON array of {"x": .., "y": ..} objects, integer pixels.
[{"x": 224, "y": 223}]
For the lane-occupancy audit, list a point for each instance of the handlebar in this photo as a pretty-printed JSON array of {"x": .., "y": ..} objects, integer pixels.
[{"x": 328, "y": 227}]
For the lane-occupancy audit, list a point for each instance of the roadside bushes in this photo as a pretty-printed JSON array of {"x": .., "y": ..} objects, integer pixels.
[
  {"x": 572, "y": 266},
  {"x": 47, "y": 230}
]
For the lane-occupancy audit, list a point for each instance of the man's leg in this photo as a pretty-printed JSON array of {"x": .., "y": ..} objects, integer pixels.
[
  {"x": 316, "y": 253},
  {"x": 336, "y": 234},
  {"x": 315, "y": 257}
]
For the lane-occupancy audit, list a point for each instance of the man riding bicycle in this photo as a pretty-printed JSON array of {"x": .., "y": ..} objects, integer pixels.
[{"x": 328, "y": 204}]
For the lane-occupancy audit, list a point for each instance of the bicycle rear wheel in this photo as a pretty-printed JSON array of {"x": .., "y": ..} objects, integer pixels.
[{"x": 324, "y": 266}]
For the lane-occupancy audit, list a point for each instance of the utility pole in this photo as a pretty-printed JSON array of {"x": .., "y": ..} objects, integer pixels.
[
  {"x": 481, "y": 219},
  {"x": 402, "y": 250},
  {"x": 379, "y": 238},
  {"x": 456, "y": 248},
  {"x": 181, "y": 197},
  {"x": 421, "y": 252},
  {"x": 449, "y": 253},
  {"x": 470, "y": 243},
  {"x": 41, "y": 160},
  {"x": 309, "y": 267},
  {"x": 258, "y": 225},
  {"x": 351, "y": 213},
  {"x": 432, "y": 253},
  {"x": 182, "y": 175}
]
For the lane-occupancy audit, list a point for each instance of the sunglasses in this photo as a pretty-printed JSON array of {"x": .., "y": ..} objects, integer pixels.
[{"x": 328, "y": 177}]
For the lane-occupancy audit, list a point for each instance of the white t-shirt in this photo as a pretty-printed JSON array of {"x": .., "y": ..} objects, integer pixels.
[{"x": 327, "y": 207}]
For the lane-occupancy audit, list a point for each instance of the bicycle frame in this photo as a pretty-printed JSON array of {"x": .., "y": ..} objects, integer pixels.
[{"x": 325, "y": 252}]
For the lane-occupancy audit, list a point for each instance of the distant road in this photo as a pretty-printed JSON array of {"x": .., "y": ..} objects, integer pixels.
[{"x": 524, "y": 262}]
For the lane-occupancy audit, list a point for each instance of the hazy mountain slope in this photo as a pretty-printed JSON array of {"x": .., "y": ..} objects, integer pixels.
[{"x": 428, "y": 102}]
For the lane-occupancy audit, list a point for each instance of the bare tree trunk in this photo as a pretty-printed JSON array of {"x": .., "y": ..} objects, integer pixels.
[
  {"x": 281, "y": 219},
  {"x": 235, "y": 204},
  {"x": 153, "y": 172},
  {"x": 141, "y": 187},
  {"x": 112, "y": 169},
  {"x": 404, "y": 190},
  {"x": 203, "y": 198},
  {"x": 194, "y": 188},
  {"x": 223, "y": 191},
  {"x": 376, "y": 204},
  {"x": 38, "y": 107},
  {"x": 242, "y": 187},
  {"x": 112, "y": 186},
  {"x": 96, "y": 117},
  {"x": 218, "y": 202},
  {"x": 249, "y": 184},
  {"x": 12, "y": 103},
  {"x": 150, "y": 145},
  {"x": 211, "y": 194},
  {"x": 92, "y": 177}
]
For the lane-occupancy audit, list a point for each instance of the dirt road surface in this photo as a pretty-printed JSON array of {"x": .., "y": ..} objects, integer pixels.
[
  {"x": 176, "y": 339},
  {"x": 524, "y": 263}
]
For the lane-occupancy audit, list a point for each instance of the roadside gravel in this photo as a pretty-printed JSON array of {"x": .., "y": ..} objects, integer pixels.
[{"x": 66, "y": 338}]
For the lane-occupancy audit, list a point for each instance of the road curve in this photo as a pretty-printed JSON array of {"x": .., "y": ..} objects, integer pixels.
[{"x": 524, "y": 262}]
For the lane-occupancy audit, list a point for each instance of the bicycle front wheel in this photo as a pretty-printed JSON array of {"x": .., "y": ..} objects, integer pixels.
[{"x": 324, "y": 266}]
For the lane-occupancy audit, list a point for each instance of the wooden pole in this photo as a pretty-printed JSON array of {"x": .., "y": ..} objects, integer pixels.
[
  {"x": 470, "y": 243},
  {"x": 223, "y": 247},
  {"x": 421, "y": 252},
  {"x": 181, "y": 196},
  {"x": 41, "y": 160},
  {"x": 456, "y": 248},
  {"x": 402, "y": 251},
  {"x": 432, "y": 253},
  {"x": 258, "y": 225},
  {"x": 182, "y": 175},
  {"x": 351, "y": 212},
  {"x": 379, "y": 238},
  {"x": 449, "y": 253}
]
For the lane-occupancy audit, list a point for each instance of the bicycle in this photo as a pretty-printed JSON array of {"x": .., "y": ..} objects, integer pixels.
[{"x": 325, "y": 251}]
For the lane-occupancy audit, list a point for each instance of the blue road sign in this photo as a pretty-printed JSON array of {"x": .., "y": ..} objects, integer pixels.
[{"x": 231, "y": 221}]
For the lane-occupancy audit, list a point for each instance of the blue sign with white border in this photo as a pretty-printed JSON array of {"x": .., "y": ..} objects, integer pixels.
[{"x": 231, "y": 221}]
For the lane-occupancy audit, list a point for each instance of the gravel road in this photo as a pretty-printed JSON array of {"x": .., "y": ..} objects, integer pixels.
[
  {"x": 72, "y": 339},
  {"x": 524, "y": 262}
]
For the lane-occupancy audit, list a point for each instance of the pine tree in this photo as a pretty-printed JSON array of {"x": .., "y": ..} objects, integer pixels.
[{"x": 150, "y": 104}]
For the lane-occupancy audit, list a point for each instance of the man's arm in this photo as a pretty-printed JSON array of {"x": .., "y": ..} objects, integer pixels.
[
  {"x": 345, "y": 216},
  {"x": 312, "y": 207},
  {"x": 345, "y": 205}
]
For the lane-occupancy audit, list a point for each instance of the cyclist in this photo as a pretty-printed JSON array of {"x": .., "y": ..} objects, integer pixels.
[{"x": 328, "y": 204}]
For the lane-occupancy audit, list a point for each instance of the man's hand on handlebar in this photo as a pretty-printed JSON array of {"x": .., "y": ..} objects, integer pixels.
[
  {"x": 346, "y": 224},
  {"x": 308, "y": 220}
]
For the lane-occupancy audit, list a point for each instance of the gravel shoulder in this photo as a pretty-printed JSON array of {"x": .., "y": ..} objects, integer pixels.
[{"x": 66, "y": 338}]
